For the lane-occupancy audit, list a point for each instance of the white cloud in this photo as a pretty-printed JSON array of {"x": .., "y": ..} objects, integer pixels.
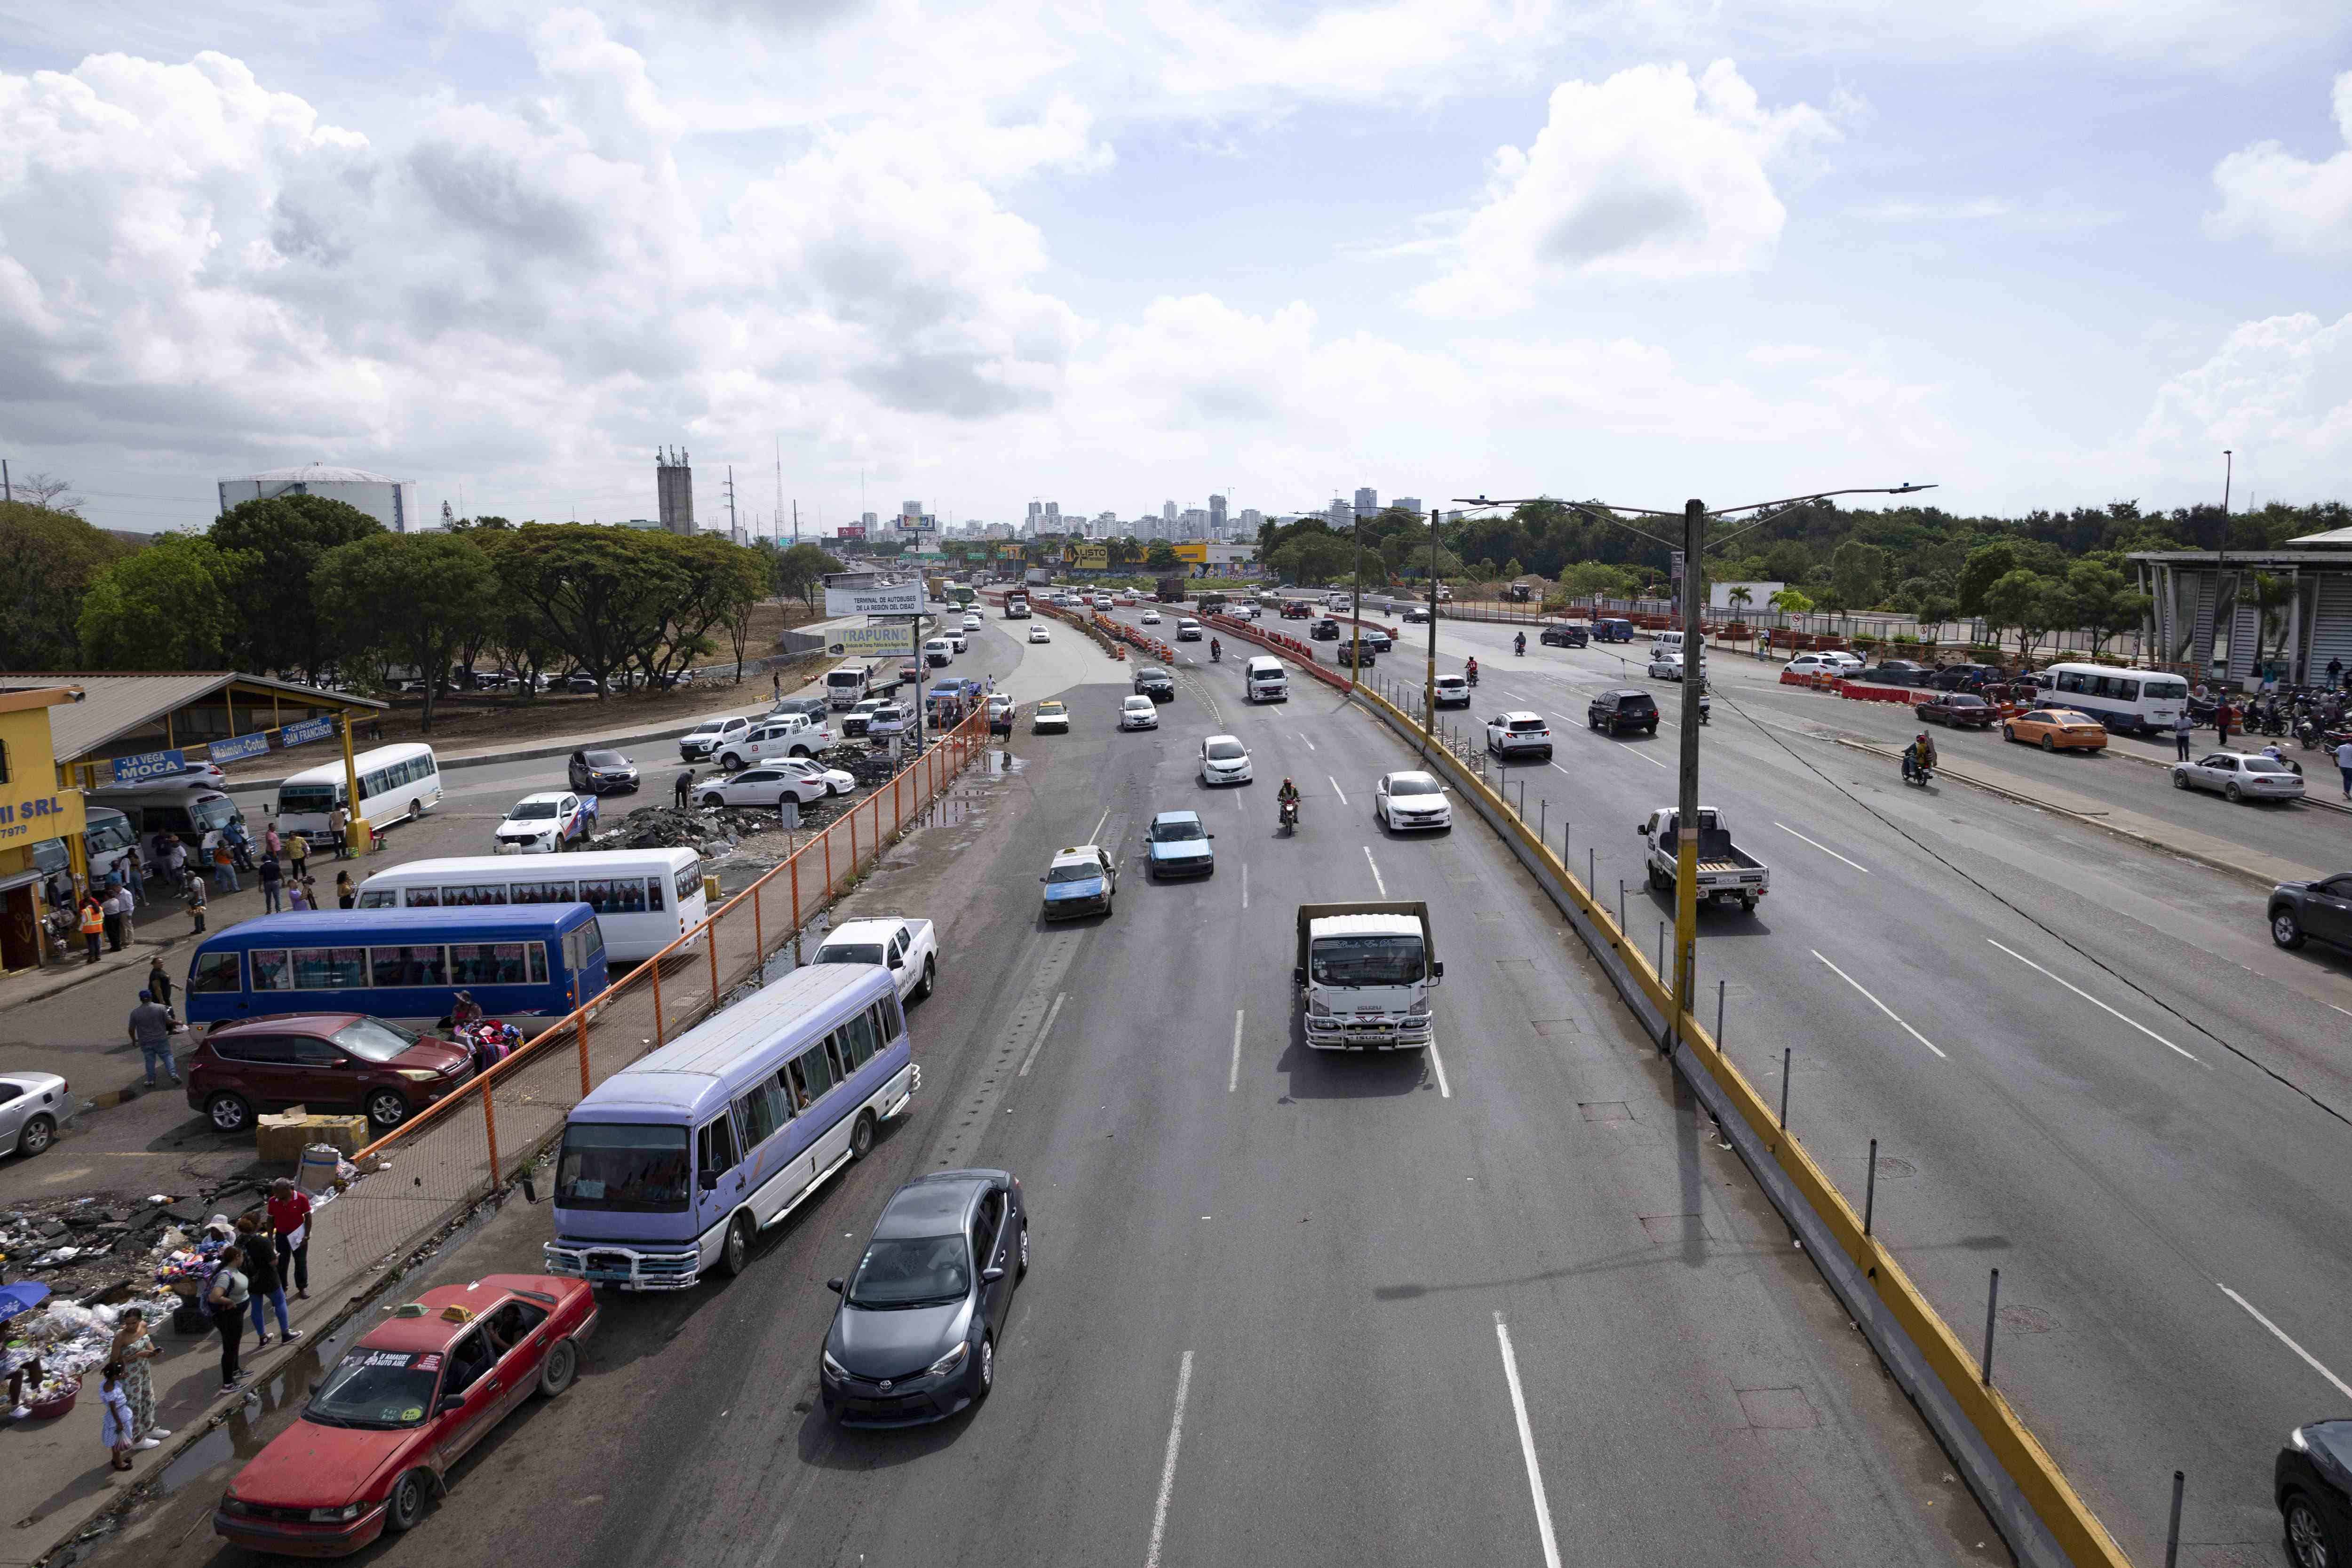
[
  {"x": 2300, "y": 207},
  {"x": 2278, "y": 391},
  {"x": 1651, "y": 174}
]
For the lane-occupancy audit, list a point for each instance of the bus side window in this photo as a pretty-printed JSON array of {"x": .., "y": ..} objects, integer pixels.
[
  {"x": 538, "y": 963},
  {"x": 215, "y": 971},
  {"x": 378, "y": 897},
  {"x": 885, "y": 1015},
  {"x": 715, "y": 1144},
  {"x": 653, "y": 892},
  {"x": 756, "y": 1116},
  {"x": 857, "y": 1041},
  {"x": 814, "y": 1073},
  {"x": 795, "y": 1084},
  {"x": 835, "y": 1050}
]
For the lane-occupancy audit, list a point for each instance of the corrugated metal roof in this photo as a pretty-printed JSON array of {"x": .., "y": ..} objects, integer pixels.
[
  {"x": 2332, "y": 536},
  {"x": 116, "y": 704}
]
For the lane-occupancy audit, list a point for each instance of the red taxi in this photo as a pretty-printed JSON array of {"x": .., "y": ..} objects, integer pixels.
[{"x": 400, "y": 1407}]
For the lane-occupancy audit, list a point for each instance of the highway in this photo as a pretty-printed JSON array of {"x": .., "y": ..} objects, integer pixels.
[
  {"x": 2084, "y": 1061},
  {"x": 1509, "y": 1303}
]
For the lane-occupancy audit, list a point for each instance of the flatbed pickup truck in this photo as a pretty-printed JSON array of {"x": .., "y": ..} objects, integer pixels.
[{"x": 1725, "y": 872}]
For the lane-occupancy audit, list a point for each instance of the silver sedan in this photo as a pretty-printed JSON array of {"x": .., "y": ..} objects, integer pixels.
[
  {"x": 2241, "y": 776},
  {"x": 33, "y": 1106}
]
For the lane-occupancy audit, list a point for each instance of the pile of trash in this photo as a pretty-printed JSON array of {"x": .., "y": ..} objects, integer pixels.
[{"x": 712, "y": 832}]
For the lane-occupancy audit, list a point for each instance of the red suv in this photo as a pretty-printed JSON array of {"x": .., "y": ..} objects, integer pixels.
[{"x": 322, "y": 1060}]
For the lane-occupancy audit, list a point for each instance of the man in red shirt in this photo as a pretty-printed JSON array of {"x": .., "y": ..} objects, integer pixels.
[{"x": 289, "y": 1217}]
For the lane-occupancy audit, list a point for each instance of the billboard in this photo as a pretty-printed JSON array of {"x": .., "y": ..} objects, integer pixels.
[
  {"x": 1195, "y": 551},
  {"x": 869, "y": 642},
  {"x": 1008, "y": 550},
  {"x": 902, "y": 599},
  {"x": 1091, "y": 557},
  {"x": 850, "y": 531}
]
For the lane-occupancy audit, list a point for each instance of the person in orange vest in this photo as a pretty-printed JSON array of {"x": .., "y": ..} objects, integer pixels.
[{"x": 93, "y": 925}]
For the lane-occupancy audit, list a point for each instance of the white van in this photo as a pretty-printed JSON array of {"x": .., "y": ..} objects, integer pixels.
[
  {"x": 1665, "y": 642},
  {"x": 396, "y": 782},
  {"x": 1264, "y": 679}
]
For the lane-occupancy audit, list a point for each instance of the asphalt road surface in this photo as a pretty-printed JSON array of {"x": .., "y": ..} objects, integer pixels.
[
  {"x": 2085, "y": 1062},
  {"x": 1505, "y": 1303}
]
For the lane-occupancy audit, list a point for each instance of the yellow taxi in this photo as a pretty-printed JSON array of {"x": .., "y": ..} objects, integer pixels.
[
  {"x": 2056, "y": 729},
  {"x": 1052, "y": 717}
]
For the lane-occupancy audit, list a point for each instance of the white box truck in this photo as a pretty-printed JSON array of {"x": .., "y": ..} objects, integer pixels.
[{"x": 1366, "y": 971}]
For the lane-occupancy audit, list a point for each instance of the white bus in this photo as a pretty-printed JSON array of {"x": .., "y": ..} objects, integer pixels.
[
  {"x": 396, "y": 783},
  {"x": 644, "y": 898},
  {"x": 2148, "y": 701}
]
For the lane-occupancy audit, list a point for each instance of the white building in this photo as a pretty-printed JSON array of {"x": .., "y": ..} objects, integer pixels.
[{"x": 392, "y": 502}]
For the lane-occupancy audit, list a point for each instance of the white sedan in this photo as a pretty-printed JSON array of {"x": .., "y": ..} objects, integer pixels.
[
  {"x": 1039, "y": 634},
  {"x": 971, "y": 623},
  {"x": 837, "y": 780},
  {"x": 1665, "y": 666},
  {"x": 1224, "y": 759},
  {"x": 1150, "y": 617},
  {"x": 1139, "y": 714},
  {"x": 768, "y": 785},
  {"x": 2240, "y": 775},
  {"x": 1410, "y": 800}
]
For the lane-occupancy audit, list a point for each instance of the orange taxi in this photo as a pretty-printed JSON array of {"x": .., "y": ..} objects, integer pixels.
[{"x": 2056, "y": 729}]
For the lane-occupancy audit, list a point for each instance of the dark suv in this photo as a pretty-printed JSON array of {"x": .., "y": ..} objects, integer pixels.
[
  {"x": 1155, "y": 683},
  {"x": 1618, "y": 712},
  {"x": 1325, "y": 630},
  {"x": 2302, "y": 911},
  {"x": 320, "y": 1059},
  {"x": 1561, "y": 636},
  {"x": 1962, "y": 677}
]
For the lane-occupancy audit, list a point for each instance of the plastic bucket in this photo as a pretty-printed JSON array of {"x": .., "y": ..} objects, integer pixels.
[{"x": 318, "y": 1169}]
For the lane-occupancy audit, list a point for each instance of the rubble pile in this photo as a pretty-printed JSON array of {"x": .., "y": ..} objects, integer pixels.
[{"x": 710, "y": 831}]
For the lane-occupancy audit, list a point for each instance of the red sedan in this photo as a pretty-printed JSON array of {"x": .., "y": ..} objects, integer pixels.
[{"x": 402, "y": 1406}]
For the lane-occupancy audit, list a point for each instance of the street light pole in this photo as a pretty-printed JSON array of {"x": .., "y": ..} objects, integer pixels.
[
  {"x": 1429, "y": 688},
  {"x": 1686, "y": 808}
]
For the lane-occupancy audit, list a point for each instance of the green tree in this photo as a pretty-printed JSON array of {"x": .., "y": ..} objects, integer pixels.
[
  {"x": 1161, "y": 557},
  {"x": 168, "y": 606},
  {"x": 2104, "y": 602},
  {"x": 1934, "y": 608},
  {"x": 279, "y": 542},
  {"x": 1857, "y": 571},
  {"x": 800, "y": 569},
  {"x": 2273, "y": 593},
  {"x": 1792, "y": 601},
  {"x": 1312, "y": 558},
  {"x": 719, "y": 582},
  {"x": 2019, "y": 599},
  {"x": 1738, "y": 596},
  {"x": 408, "y": 598},
  {"x": 601, "y": 594},
  {"x": 47, "y": 559},
  {"x": 1985, "y": 567}
]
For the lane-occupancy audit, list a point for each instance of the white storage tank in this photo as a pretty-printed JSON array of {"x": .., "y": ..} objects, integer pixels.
[{"x": 392, "y": 502}]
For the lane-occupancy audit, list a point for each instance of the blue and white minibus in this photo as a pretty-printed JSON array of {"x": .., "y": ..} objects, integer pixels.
[
  {"x": 536, "y": 961},
  {"x": 671, "y": 1166}
]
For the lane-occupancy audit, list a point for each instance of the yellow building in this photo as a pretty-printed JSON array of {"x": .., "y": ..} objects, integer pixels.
[{"x": 33, "y": 810}]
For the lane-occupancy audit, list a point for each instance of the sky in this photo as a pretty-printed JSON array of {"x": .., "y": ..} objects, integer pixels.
[{"x": 2040, "y": 253}]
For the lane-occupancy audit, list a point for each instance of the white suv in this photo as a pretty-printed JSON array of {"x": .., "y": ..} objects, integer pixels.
[
  {"x": 708, "y": 738},
  {"x": 1833, "y": 663},
  {"x": 1514, "y": 734}
]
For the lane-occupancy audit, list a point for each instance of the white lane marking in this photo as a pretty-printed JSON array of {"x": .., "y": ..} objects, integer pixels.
[
  {"x": 1528, "y": 1445},
  {"x": 1444, "y": 1090},
  {"x": 1337, "y": 790},
  {"x": 1042, "y": 1030},
  {"x": 1168, "y": 1465},
  {"x": 2093, "y": 1001},
  {"x": 1310, "y": 745},
  {"x": 2309, "y": 1360},
  {"x": 1233, "y": 1077},
  {"x": 1822, "y": 847},
  {"x": 1375, "y": 864},
  {"x": 1099, "y": 828},
  {"x": 1882, "y": 1006},
  {"x": 1557, "y": 769},
  {"x": 1649, "y": 759},
  {"x": 1245, "y": 884}
]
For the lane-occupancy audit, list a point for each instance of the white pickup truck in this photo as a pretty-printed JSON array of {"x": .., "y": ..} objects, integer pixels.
[
  {"x": 1725, "y": 872},
  {"x": 782, "y": 735},
  {"x": 1367, "y": 971},
  {"x": 905, "y": 947}
]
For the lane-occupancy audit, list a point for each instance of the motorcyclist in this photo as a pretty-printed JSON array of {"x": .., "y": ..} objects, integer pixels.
[
  {"x": 1286, "y": 799},
  {"x": 1519, "y": 643},
  {"x": 1919, "y": 756},
  {"x": 1216, "y": 650},
  {"x": 1472, "y": 671}
]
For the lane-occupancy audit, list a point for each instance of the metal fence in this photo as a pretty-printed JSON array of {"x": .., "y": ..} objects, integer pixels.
[{"x": 442, "y": 1162}]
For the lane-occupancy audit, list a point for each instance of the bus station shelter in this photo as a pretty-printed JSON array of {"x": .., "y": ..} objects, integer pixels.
[{"x": 2247, "y": 617}]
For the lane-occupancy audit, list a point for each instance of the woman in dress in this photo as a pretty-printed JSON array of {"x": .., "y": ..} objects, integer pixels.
[{"x": 134, "y": 1350}]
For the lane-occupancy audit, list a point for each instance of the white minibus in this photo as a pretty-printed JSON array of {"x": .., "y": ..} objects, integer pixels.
[
  {"x": 2147, "y": 701},
  {"x": 189, "y": 811},
  {"x": 1265, "y": 681},
  {"x": 645, "y": 899},
  {"x": 396, "y": 783}
]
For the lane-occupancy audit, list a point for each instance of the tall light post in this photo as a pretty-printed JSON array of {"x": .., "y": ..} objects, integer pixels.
[{"x": 1695, "y": 515}]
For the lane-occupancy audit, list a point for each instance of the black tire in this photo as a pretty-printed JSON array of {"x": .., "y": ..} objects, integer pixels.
[
  {"x": 930, "y": 982},
  {"x": 38, "y": 1134},
  {"x": 1021, "y": 1269},
  {"x": 416, "y": 810},
  {"x": 713, "y": 801},
  {"x": 2285, "y": 930},
  {"x": 386, "y": 1109},
  {"x": 2309, "y": 1541},
  {"x": 800, "y": 750},
  {"x": 229, "y": 1112},
  {"x": 2180, "y": 779},
  {"x": 406, "y": 1504},
  {"x": 730, "y": 763},
  {"x": 2009, "y": 731},
  {"x": 2048, "y": 744},
  {"x": 983, "y": 1369},
  {"x": 1650, "y": 727},
  {"x": 861, "y": 1136},
  {"x": 1658, "y": 883},
  {"x": 556, "y": 1373},
  {"x": 735, "y": 1252},
  {"x": 2232, "y": 792}
]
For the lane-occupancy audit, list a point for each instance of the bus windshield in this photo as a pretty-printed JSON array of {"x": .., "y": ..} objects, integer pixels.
[
  {"x": 213, "y": 811},
  {"x": 1365, "y": 960},
  {"x": 300, "y": 797},
  {"x": 632, "y": 1168}
]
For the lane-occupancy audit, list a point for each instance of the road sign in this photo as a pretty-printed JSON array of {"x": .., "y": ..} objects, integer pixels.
[
  {"x": 150, "y": 765},
  {"x": 308, "y": 730},
  {"x": 845, "y": 642},
  {"x": 900, "y": 599},
  {"x": 238, "y": 746}
]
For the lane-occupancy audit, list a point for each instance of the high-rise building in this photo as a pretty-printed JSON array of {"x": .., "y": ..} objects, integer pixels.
[
  {"x": 1252, "y": 519},
  {"x": 1167, "y": 511},
  {"x": 1339, "y": 514},
  {"x": 673, "y": 490},
  {"x": 1053, "y": 517},
  {"x": 867, "y": 518},
  {"x": 1368, "y": 499},
  {"x": 1037, "y": 511},
  {"x": 1409, "y": 503},
  {"x": 1194, "y": 523},
  {"x": 1216, "y": 517}
]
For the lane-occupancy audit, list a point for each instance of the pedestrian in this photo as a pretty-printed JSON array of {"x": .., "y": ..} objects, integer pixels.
[
  {"x": 270, "y": 840},
  {"x": 112, "y": 909},
  {"x": 289, "y": 1221},
  {"x": 114, "y": 1424},
  {"x": 159, "y": 980},
  {"x": 240, "y": 843},
  {"x": 133, "y": 1351},
  {"x": 224, "y": 867},
  {"x": 346, "y": 893},
  {"x": 175, "y": 859},
  {"x": 2344, "y": 766},
  {"x": 298, "y": 895},
  {"x": 225, "y": 1299},
  {"x": 151, "y": 1030},
  {"x": 196, "y": 900},
  {"x": 133, "y": 866},
  {"x": 93, "y": 925},
  {"x": 339, "y": 823},
  {"x": 298, "y": 851},
  {"x": 273, "y": 885},
  {"x": 265, "y": 1287},
  {"x": 2334, "y": 673},
  {"x": 683, "y": 787},
  {"x": 776, "y": 684}
]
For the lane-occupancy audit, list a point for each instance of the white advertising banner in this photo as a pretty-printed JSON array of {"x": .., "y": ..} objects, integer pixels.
[
  {"x": 902, "y": 599},
  {"x": 869, "y": 642}
]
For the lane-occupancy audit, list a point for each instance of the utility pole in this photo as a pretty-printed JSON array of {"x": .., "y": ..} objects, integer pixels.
[
  {"x": 1429, "y": 690},
  {"x": 733, "y": 526},
  {"x": 7, "y": 489},
  {"x": 796, "y": 521}
]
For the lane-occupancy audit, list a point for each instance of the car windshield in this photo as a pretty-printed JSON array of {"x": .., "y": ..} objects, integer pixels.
[
  {"x": 374, "y": 1040},
  {"x": 1173, "y": 832},
  {"x": 1139, "y": 704},
  {"x": 607, "y": 760},
  {"x": 2071, "y": 717},
  {"x": 1152, "y": 675},
  {"x": 531, "y": 809},
  {"x": 306, "y": 797},
  {"x": 850, "y": 952},
  {"x": 1075, "y": 871},
  {"x": 1413, "y": 784},
  {"x": 632, "y": 1168},
  {"x": 1633, "y": 701},
  {"x": 911, "y": 1272},
  {"x": 382, "y": 1389},
  {"x": 1365, "y": 960},
  {"x": 1226, "y": 750},
  {"x": 1453, "y": 680}
]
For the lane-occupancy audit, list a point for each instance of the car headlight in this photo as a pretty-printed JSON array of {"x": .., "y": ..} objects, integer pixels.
[
  {"x": 349, "y": 1510},
  {"x": 832, "y": 1366},
  {"x": 950, "y": 1362},
  {"x": 417, "y": 1075},
  {"x": 239, "y": 1506},
  {"x": 1315, "y": 1008}
]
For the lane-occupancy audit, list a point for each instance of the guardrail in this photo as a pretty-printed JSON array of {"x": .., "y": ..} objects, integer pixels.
[
  {"x": 453, "y": 1156},
  {"x": 1288, "y": 647}
]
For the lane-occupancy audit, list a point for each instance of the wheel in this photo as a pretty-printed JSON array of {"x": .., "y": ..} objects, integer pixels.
[
  {"x": 406, "y": 1504},
  {"x": 555, "y": 1374},
  {"x": 2233, "y": 793},
  {"x": 930, "y": 979},
  {"x": 1658, "y": 884},
  {"x": 415, "y": 811},
  {"x": 2308, "y": 1539},
  {"x": 983, "y": 1370},
  {"x": 2048, "y": 744},
  {"x": 2180, "y": 779},
  {"x": 2009, "y": 731},
  {"x": 861, "y": 1136},
  {"x": 2285, "y": 930},
  {"x": 714, "y": 799},
  {"x": 228, "y": 1112},
  {"x": 1650, "y": 727},
  {"x": 38, "y": 1134},
  {"x": 1748, "y": 906},
  {"x": 800, "y": 750},
  {"x": 386, "y": 1109},
  {"x": 1592, "y": 723},
  {"x": 1022, "y": 1272},
  {"x": 735, "y": 1255},
  {"x": 731, "y": 762}
]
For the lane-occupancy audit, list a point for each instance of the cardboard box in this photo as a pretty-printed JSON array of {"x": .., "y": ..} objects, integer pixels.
[{"x": 279, "y": 1140}]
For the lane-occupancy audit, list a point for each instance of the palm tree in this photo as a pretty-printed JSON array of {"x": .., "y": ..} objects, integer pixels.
[
  {"x": 1737, "y": 596},
  {"x": 2274, "y": 592}
]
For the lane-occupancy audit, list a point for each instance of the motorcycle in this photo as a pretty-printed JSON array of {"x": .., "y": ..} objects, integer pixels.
[
  {"x": 1913, "y": 773},
  {"x": 1519, "y": 644},
  {"x": 1474, "y": 677},
  {"x": 1216, "y": 654},
  {"x": 1288, "y": 818}
]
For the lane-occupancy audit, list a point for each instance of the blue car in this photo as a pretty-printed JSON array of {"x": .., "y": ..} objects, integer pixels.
[
  {"x": 1179, "y": 845},
  {"x": 1081, "y": 880}
]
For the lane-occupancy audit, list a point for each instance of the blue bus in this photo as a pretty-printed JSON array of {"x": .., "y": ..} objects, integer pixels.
[
  {"x": 532, "y": 960},
  {"x": 671, "y": 1166}
]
